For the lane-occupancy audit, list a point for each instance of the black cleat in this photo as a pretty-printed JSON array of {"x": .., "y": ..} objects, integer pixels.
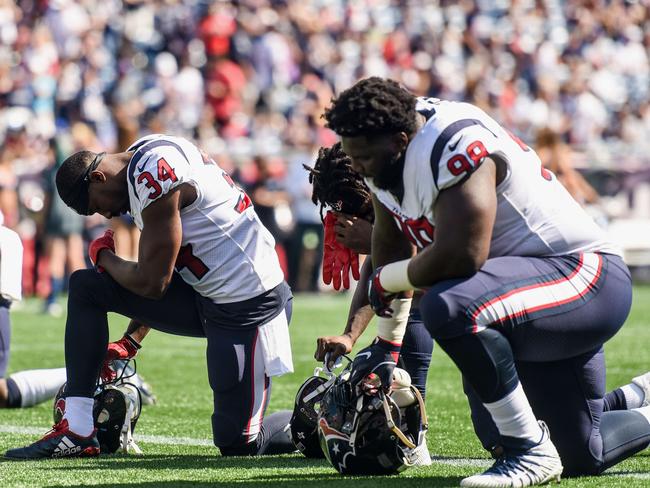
[{"x": 57, "y": 443}]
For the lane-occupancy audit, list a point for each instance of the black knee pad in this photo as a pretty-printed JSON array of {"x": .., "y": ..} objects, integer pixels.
[
  {"x": 227, "y": 432},
  {"x": 624, "y": 433},
  {"x": 87, "y": 284},
  {"x": 228, "y": 438},
  {"x": 82, "y": 279}
]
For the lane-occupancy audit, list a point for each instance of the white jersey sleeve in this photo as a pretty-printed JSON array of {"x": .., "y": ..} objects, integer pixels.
[
  {"x": 157, "y": 171},
  {"x": 461, "y": 154},
  {"x": 535, "y": 215},
  {"x": 226, "y": 254}
]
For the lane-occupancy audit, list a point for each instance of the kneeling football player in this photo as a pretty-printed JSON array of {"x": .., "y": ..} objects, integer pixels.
[{"x": 206, "y": 268}]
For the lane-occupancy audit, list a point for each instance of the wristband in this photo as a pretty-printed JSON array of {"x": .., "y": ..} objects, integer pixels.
[
  {"x": 394, "y": 277},
  {"x": 392, "y": 329},
  {"x": 132, "y": 341}
]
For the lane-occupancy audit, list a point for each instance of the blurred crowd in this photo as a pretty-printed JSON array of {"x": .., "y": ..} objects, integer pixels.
[{"x": 248, "y": 80}]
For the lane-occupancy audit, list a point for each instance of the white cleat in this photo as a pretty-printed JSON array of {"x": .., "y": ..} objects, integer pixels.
[
  {"x": 535, "y": 466},
  {"x": 643, "y": 382},
  {"x": 420, "y": 455}
]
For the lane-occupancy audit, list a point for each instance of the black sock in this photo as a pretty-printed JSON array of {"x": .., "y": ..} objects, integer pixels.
[{"x": 615, "y": 400}]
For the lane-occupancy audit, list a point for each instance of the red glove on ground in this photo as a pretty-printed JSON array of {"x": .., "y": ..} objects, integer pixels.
[
  {"x": 338, "y": 260},
  {"x": 126, "y": 348},
  {"x": 104, "y": 242}
]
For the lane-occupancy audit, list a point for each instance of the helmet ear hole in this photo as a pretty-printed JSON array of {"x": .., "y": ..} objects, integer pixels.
[{"x": 304, "y": 419}]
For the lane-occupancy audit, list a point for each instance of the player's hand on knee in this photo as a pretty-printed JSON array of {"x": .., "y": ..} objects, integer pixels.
[
  {"x": 125, "y": 348},
  {"x": 379, "y": 298},
  {"x": 105, "y": 241},
  {"x": 336, "y": 346}
]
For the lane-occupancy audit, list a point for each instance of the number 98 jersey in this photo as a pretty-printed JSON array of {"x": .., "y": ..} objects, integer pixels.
[
  {"x": 226, "y": 253},
  {"x": 535, "y": 214}
]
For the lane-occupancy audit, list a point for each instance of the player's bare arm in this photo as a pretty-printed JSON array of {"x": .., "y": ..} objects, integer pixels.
[
  {"x": 359, "y": 317},
  {"x": 137, "y": 330},
  {"x": 459, "y": 250},
  {"x": 159, "y": 245}
]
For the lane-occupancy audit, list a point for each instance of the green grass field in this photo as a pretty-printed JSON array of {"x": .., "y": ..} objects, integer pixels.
[{"x": 175, "y": 433}]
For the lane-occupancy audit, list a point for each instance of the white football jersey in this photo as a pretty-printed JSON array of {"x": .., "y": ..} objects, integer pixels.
[
  {"x": 226, "y": 254},
  {"x": 535, "y": 215}
]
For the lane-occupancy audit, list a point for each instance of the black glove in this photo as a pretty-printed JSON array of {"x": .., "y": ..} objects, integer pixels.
[
  {"x": 378, "y": 297},
  {"x": 379, "y": 358}
]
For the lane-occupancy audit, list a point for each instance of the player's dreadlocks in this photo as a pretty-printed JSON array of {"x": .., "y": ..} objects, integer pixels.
[
  {"x": 337, "y": 185},
  {"x": 374, "y": 106}
]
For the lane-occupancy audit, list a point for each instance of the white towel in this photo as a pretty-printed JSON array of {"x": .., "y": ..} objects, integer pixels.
[
  {"x": 11, "y": 264},
  {"x": 276, "y": 346}
]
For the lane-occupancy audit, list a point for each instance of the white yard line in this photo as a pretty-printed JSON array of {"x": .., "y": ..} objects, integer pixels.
[
  {"x": 463, "y": 462},
  {"x": 153, "y": 439}
]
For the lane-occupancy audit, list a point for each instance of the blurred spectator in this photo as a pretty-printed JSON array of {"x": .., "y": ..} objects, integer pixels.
[
  {"x": 250, "y": 79},
  {"x": 306, "y": 243},
  {"x": 63, "y": 227},
  {"x": 271, "y": 202},
  {"x": 556, "y": 157},
  {"x": 127, "y": 235}
]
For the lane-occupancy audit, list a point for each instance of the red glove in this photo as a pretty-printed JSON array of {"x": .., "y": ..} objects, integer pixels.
[
  {"x": 104, "y": 242},
  {"x": 126, "y": 348},
  {"x": 338, "y": 260}
]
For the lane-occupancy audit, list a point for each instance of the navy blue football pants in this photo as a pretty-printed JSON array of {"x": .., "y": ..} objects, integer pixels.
[
  {"x": 240, "y": 388},
  {"x": 417, "y": 347},
  {"x": 5, "y": 339},
  {"x": 542, "y": 321}
]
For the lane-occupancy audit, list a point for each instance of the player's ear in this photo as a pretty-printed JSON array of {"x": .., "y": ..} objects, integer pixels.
[
  {"x": 401, "y": 140},
  {"x": 97, "y": 176}
]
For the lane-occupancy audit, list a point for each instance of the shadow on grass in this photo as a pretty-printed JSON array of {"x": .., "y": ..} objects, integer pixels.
[
  {"x": 178, "y": 462},
  {"x": 298, "y": 481},
  {"x": 287, "y": 471}
]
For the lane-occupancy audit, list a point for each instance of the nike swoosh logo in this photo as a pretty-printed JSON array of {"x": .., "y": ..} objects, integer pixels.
[
  {"x": 364, "y": 355},
  {"x": 141, "y": 167},
  {"x": 452, "y": 147}
]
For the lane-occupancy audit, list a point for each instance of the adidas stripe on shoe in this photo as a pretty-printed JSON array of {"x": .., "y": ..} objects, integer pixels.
[{"x": 57, "y": 443}]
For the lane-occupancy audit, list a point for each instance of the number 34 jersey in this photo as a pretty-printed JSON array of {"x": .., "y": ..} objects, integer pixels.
[
  {"x": 226, "y": 253},
  {"x": 535, "y": 215}
]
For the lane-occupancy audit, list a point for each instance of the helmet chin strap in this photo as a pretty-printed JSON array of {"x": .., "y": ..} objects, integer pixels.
[{"x": 391, "y": 423}]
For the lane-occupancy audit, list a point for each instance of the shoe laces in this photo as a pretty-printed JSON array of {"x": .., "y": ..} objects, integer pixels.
[
  {"x": 518, "y": 465},
  {"x": 60, "y": 426}
]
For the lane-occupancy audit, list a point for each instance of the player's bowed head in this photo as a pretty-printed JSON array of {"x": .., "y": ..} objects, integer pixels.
[
  {"x": 376, "y": 119},
  {"x": 91, "y": 183}
]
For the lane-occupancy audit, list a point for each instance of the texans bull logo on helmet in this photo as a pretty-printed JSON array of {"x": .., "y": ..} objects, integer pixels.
[{"x": 369, "y": 431}]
